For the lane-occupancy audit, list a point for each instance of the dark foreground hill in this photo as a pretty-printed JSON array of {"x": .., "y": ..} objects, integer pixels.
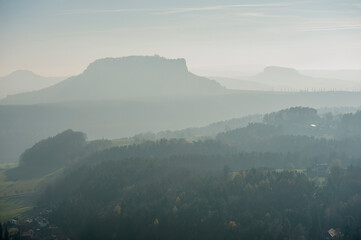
[
  {"x": 176, "y": 189},
  {"x": 180, "y": 198}
]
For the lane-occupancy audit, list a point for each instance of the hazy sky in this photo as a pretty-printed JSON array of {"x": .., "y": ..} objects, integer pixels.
[{"x": 61, "y": 37}]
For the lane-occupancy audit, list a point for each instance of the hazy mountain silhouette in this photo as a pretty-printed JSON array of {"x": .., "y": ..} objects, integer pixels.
[
  {"x": 352, "y": 75},
  {"x": 127, "y": 82},
  {"x": 124, "y": 78},
  {"x": 275, "y": 78},
  {"x": 281, "y": 78},
  {"x": 24, "y": 81},
  {"x": 239, "y": 84}
]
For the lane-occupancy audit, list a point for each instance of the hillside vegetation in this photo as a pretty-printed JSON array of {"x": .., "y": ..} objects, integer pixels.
[{"x": 294, "y": 175}]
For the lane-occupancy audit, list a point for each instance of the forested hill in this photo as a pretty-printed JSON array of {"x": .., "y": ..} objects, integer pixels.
[
  {"x": 301, "y": 132},
  {"x": 306, "y": 121},
  {"x": 177, "y": 198},
  {"x": 53, "y": 153},
  {"x": 209, "y": 131},
  {"x": 133, "y": 77},
  {"x": 262, "y": 181}
]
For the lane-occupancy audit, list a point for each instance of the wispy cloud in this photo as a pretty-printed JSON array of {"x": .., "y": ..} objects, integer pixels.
[
  {"x": 222, "y": 7},
  {"x": 255, "y": 14},
  {"x": 173, "y": 10},
  {"x": 186, "y": 10},
  {"x": 331, "y": 28},
  {"x": 95, "y": 11}
]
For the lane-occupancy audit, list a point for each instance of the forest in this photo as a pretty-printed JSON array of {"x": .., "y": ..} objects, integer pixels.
[
  {"x": 180, "y": 120},
  {"x": 296, "y": 174},
  {"x": 175, "y": 198}
]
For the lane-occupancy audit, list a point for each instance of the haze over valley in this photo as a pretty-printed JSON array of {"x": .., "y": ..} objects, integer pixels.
[
  {"x": 180, "y": 120},
  {"x": 274, "y": 78}
]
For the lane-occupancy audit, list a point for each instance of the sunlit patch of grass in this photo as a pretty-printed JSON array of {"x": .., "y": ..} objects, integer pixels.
[
  {"x": 13, "y": 207},
  {"x": 15, "y": 196},
  {"x": 7, "y": 165},
  {"x": 22, "y": 187}
]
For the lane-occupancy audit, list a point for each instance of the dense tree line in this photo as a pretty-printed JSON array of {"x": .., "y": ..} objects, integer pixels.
[
  {"x": 296, "y": 131},
  {"x": 243, "y": 184},
  {"x": 172, "y": 198},
  {"x": 263, "y": 138},
  {"x": 62, "y": 150},
  {"x": 299, "y": 130},
  {"x": 283, "y": 152},
  {"x": 306, "y": 121},
  {"x": 350, "y": 125}
]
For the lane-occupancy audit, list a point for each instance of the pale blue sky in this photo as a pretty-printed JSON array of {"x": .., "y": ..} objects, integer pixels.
[{"x": 61, "y": 37}]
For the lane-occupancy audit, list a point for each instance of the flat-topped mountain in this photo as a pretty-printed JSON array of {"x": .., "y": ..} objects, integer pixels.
[
  {"x": 274, "y": 78},
  {"x": 280, "y": 71},
  {"x": 24, "y": 81},
  {"x": 280, "y": 75},
  {"x": 124, "y": 78},
  {"x": 282, "y": 78}
]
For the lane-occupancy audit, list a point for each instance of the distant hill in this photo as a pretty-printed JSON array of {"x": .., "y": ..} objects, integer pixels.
[
  {"x": 281, "y": 78},
  {"x": 24, "y": 81},
  {"x": 48, "y": 155},
  {"x": 275, "y": 78},
  {"x": 352, "y": 75},
  {"x": 239, "y": 84},
  {"x": 124, "y": 78},
  {"x": 53, "y": 153},
  {"x": 299, "y": 130},
  {"x": 22, "y": 126},
  {"x": 195, "y": 133}
]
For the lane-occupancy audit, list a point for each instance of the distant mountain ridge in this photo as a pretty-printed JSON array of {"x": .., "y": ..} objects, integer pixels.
[
  {"x": 275, "y": 71},
  {"x": 24, "y": 81},
  {"x": 124, "y": 78},
  {"x": 281, "y": 78},
  {"x": 275, "y": 78}
]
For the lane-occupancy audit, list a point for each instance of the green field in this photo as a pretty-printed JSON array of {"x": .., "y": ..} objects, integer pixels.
[
  {"x": 16, "y": 197},
  {"x": 7, "y": 165},
  {"x": 13, "y": 207}
]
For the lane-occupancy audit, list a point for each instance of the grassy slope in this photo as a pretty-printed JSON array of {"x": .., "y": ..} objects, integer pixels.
[{"x": 16, "y": 197}]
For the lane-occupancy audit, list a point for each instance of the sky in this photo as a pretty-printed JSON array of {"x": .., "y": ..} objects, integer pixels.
[{"x": 61, "y": 37}]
